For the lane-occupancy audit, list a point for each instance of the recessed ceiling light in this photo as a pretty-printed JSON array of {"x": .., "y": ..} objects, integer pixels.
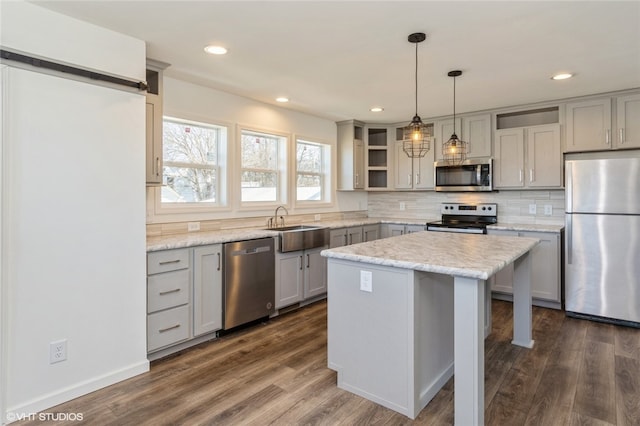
[
  {"x": 376, "y": 109},
  {"x": 215, "y": 50},
  {"x": 562, "y": 76},
  {"x": 282, "y": 99}
]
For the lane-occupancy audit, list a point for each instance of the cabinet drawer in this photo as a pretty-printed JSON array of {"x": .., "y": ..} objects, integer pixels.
[
  {"x": 167, "y": 260},
  {"x": 167, "y": 290},
  {"x": 167, "y": 327}
]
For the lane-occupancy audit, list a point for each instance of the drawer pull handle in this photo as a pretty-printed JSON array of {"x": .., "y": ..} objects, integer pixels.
[
  {"x": 175, "y": 290},
  {"x": 169, "y": 328},
  {"x": 168, "y": 262}
]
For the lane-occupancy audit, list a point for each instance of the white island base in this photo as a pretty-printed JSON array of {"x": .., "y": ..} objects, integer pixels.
[{"x": 397, "y": 335}]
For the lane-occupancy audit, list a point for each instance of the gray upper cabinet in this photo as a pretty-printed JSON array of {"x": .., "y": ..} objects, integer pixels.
[
  {"x": 588, "y": 125},
  {"x": 528, "y": 157},
  {"x": 593, "y": 125},
  {"x": 474, "y": 129},
  {"x": 351, "y": 170},
  {"x": 154, "y": 122},
  {"x": 628, "y": 124}
]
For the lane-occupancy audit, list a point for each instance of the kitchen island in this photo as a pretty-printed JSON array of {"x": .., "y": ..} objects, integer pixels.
[{"x": 406, "y": 312}]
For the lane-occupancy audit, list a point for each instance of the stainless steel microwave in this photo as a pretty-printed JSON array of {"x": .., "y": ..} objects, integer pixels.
[{"x": 474, "y": 174}]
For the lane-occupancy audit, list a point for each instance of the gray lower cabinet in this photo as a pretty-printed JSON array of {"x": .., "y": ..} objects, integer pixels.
[
  {"x": 370, "y": 232},
  {"x": 300, "y": 275},
  {"x": 545, "y": 269},
  {"x": 168, "y": 298},
  {"x": 207, "y": 289},
  {"x": 392, "y": 229},
  {"x": 184, "y": 296},
  {"x": 345, "y": 236}
]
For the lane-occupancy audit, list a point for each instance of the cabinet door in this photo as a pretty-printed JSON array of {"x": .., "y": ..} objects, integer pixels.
[
  {"x": 588, "y": 125},
  {"x": 545, "y": 266},
  {"x": 370, "y": 232},
  {"x": 337, "y": 237},
  {"x": 544, "y": 157},
  {"x": 354, "y": 235},
  {"x": 443, "y": 131},
  {"x": 403, "y": 170},
  {"x": 423, "y": 176},
  {"x": 395, "y": 230},
  {"x": 154, "y": 140},
  {"x": 410, "y": 229},
  {"x": 502, "y": 281},
  {"x": 477, "y": 132},
  {"x": 509, "y": 159},
  {"x": 315, "y": 273},
  {"x": 628, "y": 121},
  {"x": 289, "y": 278},
  {"x": 358, "y": 164},
  {"x": 207, "y": 289}
]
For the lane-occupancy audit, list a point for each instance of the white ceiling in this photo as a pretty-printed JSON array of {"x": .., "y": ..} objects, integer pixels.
[{"x": 336, "y": 59}]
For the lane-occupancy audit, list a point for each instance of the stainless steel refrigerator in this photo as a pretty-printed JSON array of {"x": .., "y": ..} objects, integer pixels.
[{"x": 602, "y": 244}]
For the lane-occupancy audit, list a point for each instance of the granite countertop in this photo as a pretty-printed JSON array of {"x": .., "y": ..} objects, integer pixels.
[
  {"x": 464, "y": 255},
  {"x": 524, "y": 227},
  {"x": 167, "y": 242}
]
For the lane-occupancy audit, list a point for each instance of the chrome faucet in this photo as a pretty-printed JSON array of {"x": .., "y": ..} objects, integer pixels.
[{"x": 273, "y": 221}]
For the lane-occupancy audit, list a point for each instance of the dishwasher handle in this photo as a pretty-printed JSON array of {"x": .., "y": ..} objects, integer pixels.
[{"x": 250, "y": 251}]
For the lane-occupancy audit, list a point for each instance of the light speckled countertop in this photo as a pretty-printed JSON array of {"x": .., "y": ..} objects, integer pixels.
[
  {"x": 465, "y": 255},
  {"x": 167, "y": 242},
  {"x": 523, "y": 227}
]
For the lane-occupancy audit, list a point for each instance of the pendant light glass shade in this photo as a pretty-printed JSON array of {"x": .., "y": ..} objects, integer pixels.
[
  {"x": 454, "y": 151},
  {"x": 416, "y": 138}
]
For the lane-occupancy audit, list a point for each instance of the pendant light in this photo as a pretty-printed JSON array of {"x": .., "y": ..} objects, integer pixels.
[
  {"x": 415, "y": 137},
  {"x": 454, "y": 151}
]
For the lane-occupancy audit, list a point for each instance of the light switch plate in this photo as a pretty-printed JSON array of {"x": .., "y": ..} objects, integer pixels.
[
  {"x": 366, "y": 281},
  {"x": 532, "y": 209},
  {"x": 402, "y": 206},
  {"x": 548, "y": 209}
]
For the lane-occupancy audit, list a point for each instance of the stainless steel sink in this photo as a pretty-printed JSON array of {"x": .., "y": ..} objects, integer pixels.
[{"x": 300, "y": 237}]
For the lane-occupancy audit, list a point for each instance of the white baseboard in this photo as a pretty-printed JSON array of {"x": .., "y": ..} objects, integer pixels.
[{"x": 71, "y": 392}]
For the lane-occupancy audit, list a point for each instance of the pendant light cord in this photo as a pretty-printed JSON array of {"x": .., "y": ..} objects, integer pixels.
[
  {"x": 454, "y": 104},
  {"x": 416, "y": 79}
]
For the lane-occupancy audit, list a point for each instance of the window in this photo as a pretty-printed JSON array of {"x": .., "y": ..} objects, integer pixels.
[
  {"x": 312, "y": 171},
  {"x": 261, "y": 164},
  {"x": 191, "y": 156}
]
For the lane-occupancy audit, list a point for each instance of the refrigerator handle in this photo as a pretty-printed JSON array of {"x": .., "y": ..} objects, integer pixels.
[
  {"x": 569, "y": 230},
  {"x": 568, "y": 186}
]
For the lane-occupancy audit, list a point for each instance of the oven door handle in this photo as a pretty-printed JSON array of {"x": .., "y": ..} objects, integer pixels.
[{"x": 479, "y": 174}]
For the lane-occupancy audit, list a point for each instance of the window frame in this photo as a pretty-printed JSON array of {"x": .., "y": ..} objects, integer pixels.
[
  {"x": 221, "y": 171},
  {"x": 325, "y": 174},
  {"x": 281, "y": 170}
]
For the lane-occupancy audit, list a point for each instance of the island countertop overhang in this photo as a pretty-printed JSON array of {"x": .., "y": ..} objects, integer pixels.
[{"x": 462, "y": 255}]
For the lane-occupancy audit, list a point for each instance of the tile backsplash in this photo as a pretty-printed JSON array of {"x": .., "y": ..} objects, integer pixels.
[{"x": 513, "y": 206}]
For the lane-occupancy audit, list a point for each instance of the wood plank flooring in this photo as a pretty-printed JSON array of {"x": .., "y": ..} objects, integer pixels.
[{"x": 578, "y": 373}]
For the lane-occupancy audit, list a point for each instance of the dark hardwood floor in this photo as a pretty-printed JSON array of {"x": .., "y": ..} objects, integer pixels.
[{"x": 578, "y": 373}]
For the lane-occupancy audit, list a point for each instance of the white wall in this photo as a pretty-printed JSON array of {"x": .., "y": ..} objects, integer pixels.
[
  {"x": 191, "y": 101},
  {"x": 73, "y": 234}
]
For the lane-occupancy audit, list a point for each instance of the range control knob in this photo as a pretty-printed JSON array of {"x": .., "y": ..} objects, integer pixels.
[
  {"x": 484, "y": 208},
  {"x": 489, "y": 208}
]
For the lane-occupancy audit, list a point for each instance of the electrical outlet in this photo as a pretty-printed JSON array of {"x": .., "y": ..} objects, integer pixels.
[
  {"x": 366, "y": 281},
  {"x": 532, "y": 209},
  {"x": 193, "y": 226},
  {"x": 316, "y": 217},
  {"x": 548, "y": 209},
  {"x": 57, "y": 351},
  {"x": 402, "y": 205}
]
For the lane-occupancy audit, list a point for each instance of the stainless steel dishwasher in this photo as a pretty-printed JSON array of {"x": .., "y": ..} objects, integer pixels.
[{"x": 249, "y": 281}]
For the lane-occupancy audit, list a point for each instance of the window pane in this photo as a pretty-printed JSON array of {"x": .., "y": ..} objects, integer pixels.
[
  {"x": 188, "y": 185},
  {"x": 309, "y": 157},
  {"x": 259, "y": 186},
  {"x": 309, "y": 188},
  {"x": 189, "y": 143},
  {"x": 259, "y": 151}
]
